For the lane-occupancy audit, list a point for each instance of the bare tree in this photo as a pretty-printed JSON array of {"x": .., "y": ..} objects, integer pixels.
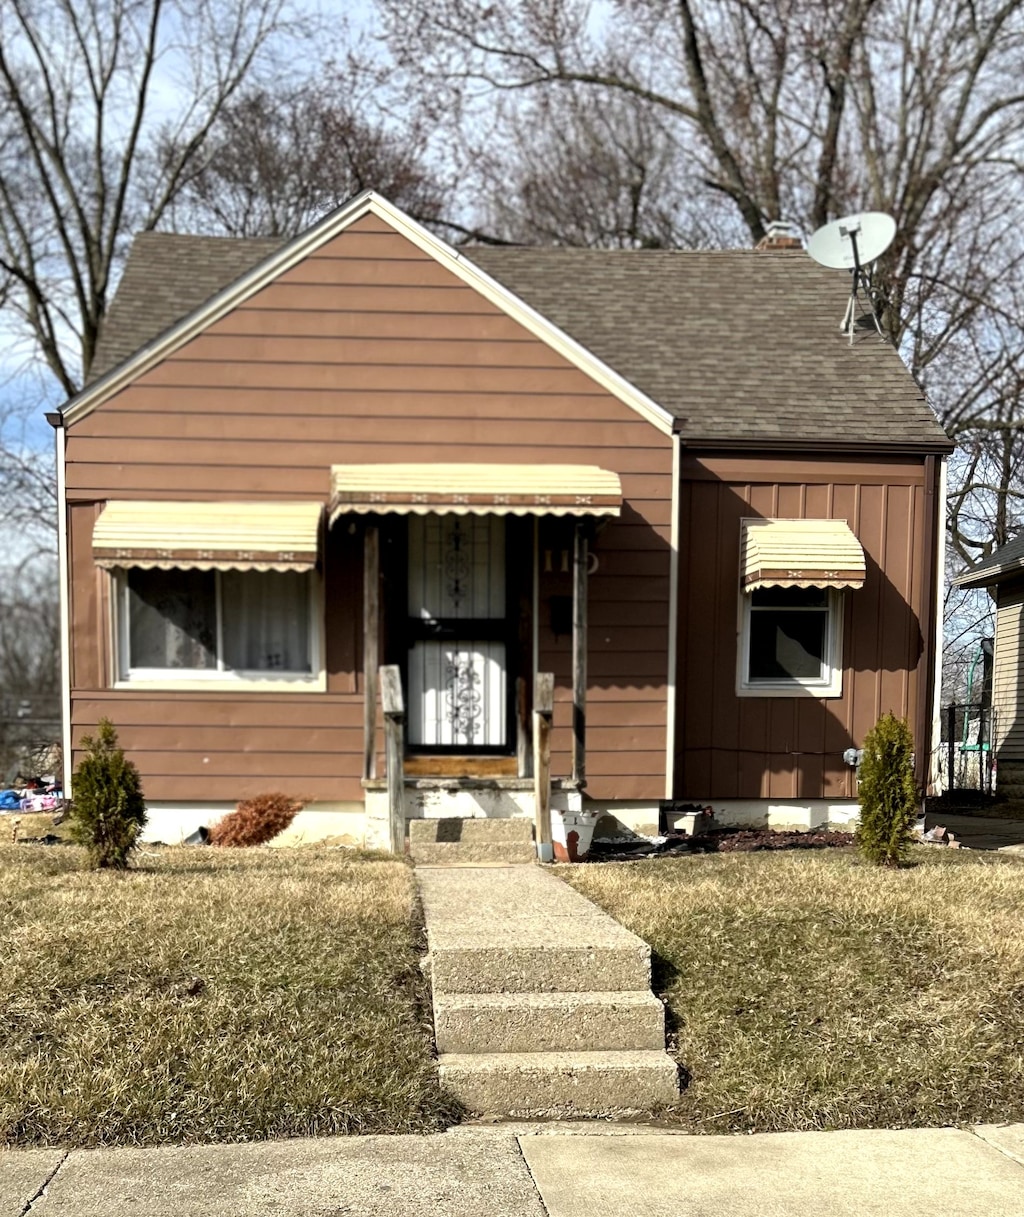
[
  {"x": 28, "y": 503},
  {"x": 785, "y": 109},
  {"x": 29, "y": 668},
  {"x": 582, "y": 167},
  {"x": 278, "y": 159},
  {"x": 84, "y": 85}
]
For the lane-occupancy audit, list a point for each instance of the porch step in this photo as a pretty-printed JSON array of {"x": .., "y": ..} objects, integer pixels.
[
  {"x": 458, "y": 828},
  {"x": 559, "y": 1084},
  {"x": 451, "y": 840},
  {"x": 539, "y": 968},
  {"x": 466, "y": 853},
  {"x": 548, "y": 1022}
]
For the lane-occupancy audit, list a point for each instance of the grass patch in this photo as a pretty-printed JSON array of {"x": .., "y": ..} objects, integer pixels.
[
  {"x": 809, "y": 991},
  {"x": 210, "y": 996}
]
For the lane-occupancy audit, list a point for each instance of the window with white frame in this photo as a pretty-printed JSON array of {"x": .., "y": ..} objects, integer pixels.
[
  {"x": 791, "y": 642},
  {"x": 209, "y": 625}
]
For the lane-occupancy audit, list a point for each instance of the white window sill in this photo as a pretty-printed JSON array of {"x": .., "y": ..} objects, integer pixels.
[
  {"x": 225, "y": 683},
  {"x": 832, "y": 690}
]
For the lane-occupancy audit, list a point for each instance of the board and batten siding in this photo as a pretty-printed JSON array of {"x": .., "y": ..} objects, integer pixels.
[
  {"x": 367, "y": 351},
  {"x": 732, "y": 747},
  {"x": 1008, "y": 673}
]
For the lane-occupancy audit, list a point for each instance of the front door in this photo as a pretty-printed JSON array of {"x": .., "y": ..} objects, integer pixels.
[{"x": 458, "y": 635}]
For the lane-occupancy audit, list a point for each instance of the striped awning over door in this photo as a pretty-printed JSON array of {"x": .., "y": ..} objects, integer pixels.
[
  {"x": 168, "y": 535},
  {"x": 562, "y": 490},
  {"x": 800, "y": 553}
]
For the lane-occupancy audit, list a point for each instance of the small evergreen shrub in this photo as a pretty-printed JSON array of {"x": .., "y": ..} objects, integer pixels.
[
  {"x": 256, "y": 821},
  {"x": 108, "y": 812},
  {"x": 888, "y": 793}
]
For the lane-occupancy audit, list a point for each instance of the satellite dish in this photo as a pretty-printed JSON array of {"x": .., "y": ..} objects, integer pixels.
[{"x": 850, "y": 243}]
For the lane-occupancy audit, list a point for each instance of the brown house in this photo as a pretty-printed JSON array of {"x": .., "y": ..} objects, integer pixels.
[{"x": 300, "y": 461}]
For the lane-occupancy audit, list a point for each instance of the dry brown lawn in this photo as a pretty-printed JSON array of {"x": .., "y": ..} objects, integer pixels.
[
  {"x": 809, "y": 991},
  {"x": 210, "y": 995}
]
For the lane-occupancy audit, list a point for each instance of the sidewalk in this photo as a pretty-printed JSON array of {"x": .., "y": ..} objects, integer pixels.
[{"x": 581, "y": 1170}]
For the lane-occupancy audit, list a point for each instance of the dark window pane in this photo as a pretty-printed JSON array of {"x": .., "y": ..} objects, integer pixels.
[
  {"x": 787, "y": 645},
  {"x": 266, "y": 621},
  {"x": 789, "y": 597},
  {"x": 172, "y": 619}
]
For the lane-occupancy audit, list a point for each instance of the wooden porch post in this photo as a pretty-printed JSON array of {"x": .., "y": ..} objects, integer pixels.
[
  {"x": 543, "y": 707},
  {"x": 394, "y": 746},
  {"x": 371, "y": 645},
  {"x": 579, "y": 654}
]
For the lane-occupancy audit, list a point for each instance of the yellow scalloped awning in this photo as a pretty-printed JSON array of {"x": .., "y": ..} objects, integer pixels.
[
  {"x": 561, "y": 490},
  {"x": 800, "y": 553},
  {"x": 169, "y": 535}
]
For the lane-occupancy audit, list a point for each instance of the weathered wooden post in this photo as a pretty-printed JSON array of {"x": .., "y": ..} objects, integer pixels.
[
  {"x": 543, "y": 710},
  {"x": 580, "y": 563},
  {"x": 394, "y": 751},
  {"x": 371, "y": 627}
]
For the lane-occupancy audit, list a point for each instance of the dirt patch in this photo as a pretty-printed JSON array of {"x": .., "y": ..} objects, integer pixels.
[{"x": 719, "y": 840}]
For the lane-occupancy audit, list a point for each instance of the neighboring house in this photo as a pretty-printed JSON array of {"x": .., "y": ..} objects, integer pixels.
[
  {"x": 1002, "y": 572},
  {"x": 300, "y": 461}
]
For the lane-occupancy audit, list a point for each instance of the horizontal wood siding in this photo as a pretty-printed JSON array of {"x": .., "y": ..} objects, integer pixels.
[
  {"x": 368, "y": 351},
  {"x": 1008, "y": 673},
  {"x": 731, "y": 747}
]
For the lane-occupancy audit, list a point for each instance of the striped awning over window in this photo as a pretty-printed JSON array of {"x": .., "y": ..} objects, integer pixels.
[
  {"x": 207, "y": 536},
  {"x": 562, "y": 490},
  {"x": 800, "y": 553}
]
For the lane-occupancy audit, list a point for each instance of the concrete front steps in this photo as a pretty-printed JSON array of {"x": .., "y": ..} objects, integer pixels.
[
  {"x": 542, "y": 1002},
  {"x": 452, "y": 841}
]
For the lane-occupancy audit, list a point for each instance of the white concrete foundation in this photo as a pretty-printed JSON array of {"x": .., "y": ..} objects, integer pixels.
[
  {"x": 337, "y": 823},
  {"x": 622, "y": 818},
  {"x": 358, "y": 825},
  {"x": 785, "y": 814}
]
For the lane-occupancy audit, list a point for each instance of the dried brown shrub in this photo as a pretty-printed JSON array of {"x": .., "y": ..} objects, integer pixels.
[{"x": 256, "y": 821}]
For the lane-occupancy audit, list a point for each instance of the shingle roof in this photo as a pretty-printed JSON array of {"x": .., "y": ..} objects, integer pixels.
[
  {"x": 167, "y": 276},
  {"x": 1001, "y": 564},
  {"x": 738, "y": 345}
]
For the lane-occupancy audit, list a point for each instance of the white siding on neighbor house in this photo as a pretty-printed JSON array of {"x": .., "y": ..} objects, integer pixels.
[{"x": 1007, "y": 675}]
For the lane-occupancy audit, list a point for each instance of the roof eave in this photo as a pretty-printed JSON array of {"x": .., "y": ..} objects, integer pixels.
[
  {"x": 306, "y": 243},
  {"x": 972, "y": 580},
  {"x": 915, "y": 447}
]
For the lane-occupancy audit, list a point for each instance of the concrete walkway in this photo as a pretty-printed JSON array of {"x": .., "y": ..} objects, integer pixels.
[
  {"x": 542, "y": 1002},
  {"x": 982, "y": 832},
  {"x": 584, "y": 1170}
]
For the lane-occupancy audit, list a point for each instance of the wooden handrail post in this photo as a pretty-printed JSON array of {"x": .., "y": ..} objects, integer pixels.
[
  {"x": 543, "y": 710},
  {"x": 393, "y": 706},
  {"x": 580, "y": 562},
  {"x": 371, "y": 646}
]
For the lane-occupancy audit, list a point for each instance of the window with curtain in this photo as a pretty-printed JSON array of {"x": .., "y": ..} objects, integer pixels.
[
  {"x": 210, "y": 623},
  {"x": 791, "y": 642}
]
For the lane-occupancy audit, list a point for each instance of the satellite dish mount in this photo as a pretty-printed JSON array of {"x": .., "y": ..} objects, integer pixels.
[{"x": 852, "y": 243}]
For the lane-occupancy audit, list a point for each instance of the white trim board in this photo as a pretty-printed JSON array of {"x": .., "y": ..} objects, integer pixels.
[
  {"x": 673, "y": 621},
  {"x": 64, "y": 592},
  {"x": 313, "y": 239}
]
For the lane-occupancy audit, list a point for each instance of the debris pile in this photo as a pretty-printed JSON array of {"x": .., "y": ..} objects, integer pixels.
[{"x": 938, "y": 834}]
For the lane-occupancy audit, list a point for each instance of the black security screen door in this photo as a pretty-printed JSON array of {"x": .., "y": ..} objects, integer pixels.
[{"x": 458, "y": 634}]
